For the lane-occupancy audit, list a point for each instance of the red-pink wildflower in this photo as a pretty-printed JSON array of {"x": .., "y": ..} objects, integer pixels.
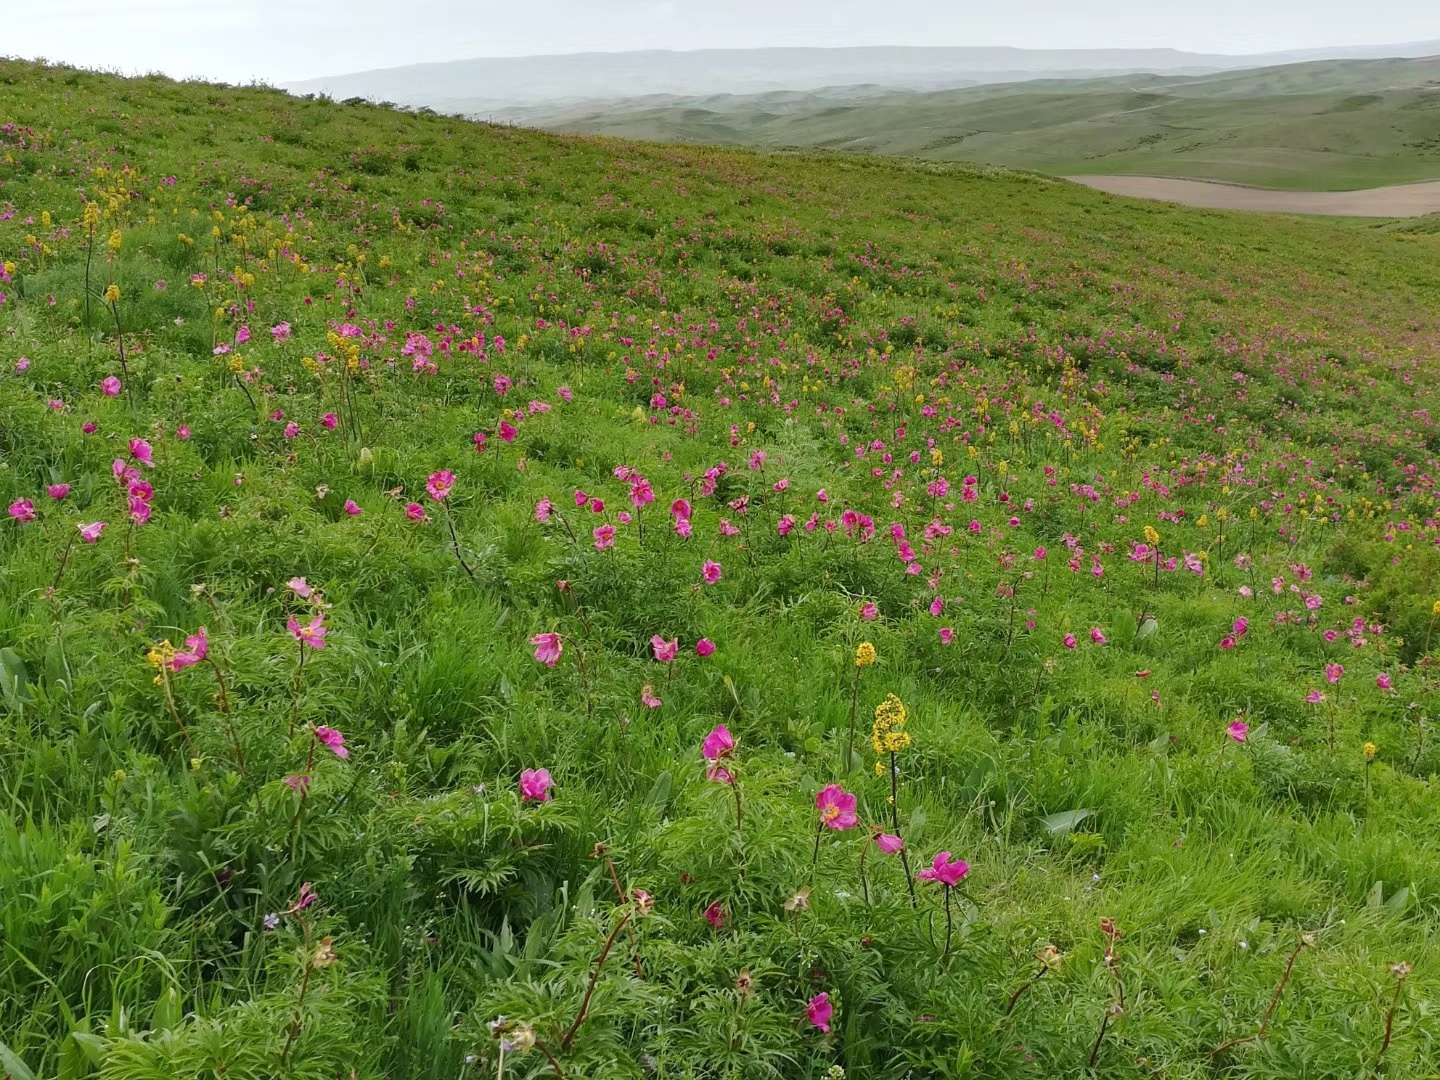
[
  {"x": 439, "y": 484},
  {"x": 22, "y": 510},
  {"x": 415, "y": 512},
  {"x": 889, "y": 843},
  {"x": 197, "y": 647},
  {"x": 333, "y": 739},
  {"x": 946, "y": 871},
  {"x": 837, "y": 808},
  {"x": 548, "y": 648},
  {"x": 819, "y": 1011},
  {"x": 312, "y": 634},
  {"x": 535, "y": 785},
  {"x": 665, "y": 651},
  {"x": 1238, "y": 730},
  {"x": 711, "y": 572},
  {"x": 704, "y": 647},
  {"x": 715, "y": 915},
  {"x": 91, "y": 532}
]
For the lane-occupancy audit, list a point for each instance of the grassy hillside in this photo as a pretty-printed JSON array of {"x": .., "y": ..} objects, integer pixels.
[
  {"x": 1329, "y": 125},
  {"x": 360, "y": 466}
]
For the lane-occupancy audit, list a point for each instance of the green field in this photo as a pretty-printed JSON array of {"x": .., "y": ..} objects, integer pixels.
[
  {"x": 1327, "y": 125},
  {"x": 361, "y": 465}
]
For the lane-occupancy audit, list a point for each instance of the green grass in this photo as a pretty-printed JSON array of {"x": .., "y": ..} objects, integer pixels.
[
  {"x": 1332, "y": 125},
  {"x": 1260, "y": 391}
]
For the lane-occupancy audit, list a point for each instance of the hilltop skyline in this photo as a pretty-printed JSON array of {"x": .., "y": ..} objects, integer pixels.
[{"x": 293, "y": 40}]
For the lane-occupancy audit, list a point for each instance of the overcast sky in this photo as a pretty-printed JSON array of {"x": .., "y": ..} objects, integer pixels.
[{"x": 281, "y": 40}]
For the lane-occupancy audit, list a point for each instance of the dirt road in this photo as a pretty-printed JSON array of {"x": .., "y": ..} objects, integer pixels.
[{"x": 1401, "y": 200}]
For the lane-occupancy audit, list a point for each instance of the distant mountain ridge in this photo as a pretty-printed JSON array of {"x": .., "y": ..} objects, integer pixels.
[{"x": 485, "y": 85}]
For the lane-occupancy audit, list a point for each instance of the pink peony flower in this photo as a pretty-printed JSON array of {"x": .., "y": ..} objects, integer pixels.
[
  {"x": 947, "y": 635},
  {"x": 352, "y": 508},
  {"x": 548, "y": 648},
  {"x": 1238, "y": 730},
  {"x": 110, "y": 386},
  {"x": 1097, "y": 636},
  {"x": 819, "y": 1011},
  {"x": 711, "y": 572},
  {"x": 837, "y": 808},
  {"x": 544, "y": 511},
  {"x": 90, "y": 533},
  {"x": 1314, "y": 697},
  {"x": 22, "y": 510},
  {"x": 182, "y": 432},
  {"x": 507, "y": 433},
  {"x": 719, "y": 743},
  {"x": 889, "y": 843},
  {"x": 947, "y": 872},
  {"x": 300, "y": 587},
  {"x": 704, "y": 647},
  {"x": 648, "y": 698},
  {"x": 333, "y": 739},
  {"x": 1333, "y": 673},
  {"x": 665, "y": 651},
  {"x": 715, "y": 915},
  {"x": 197, "y": 647},
  {"x": 439, "y": 484},
  {"x": 1068, "y": 641},
  {"x": 415, "y": 512},
  {"x": 328, "y": 421},
  {"x": 869, "y": 612},
  {"x": 58, "y": 491},
  {"x": 535, "y": 785},
  {"x": 1383, "y": 681},
  {"x": 604, "y": 537},
  {"x": 312, "y": 633}
]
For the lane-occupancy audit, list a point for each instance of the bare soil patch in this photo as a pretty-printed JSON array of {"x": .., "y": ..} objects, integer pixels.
[{"x": 1399, "y": 200}]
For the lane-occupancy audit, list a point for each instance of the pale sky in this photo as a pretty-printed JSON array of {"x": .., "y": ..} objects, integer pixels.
[{"x": 283, "y": 40}]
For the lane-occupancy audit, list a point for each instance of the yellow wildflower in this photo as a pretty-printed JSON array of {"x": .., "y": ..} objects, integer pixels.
[
  {"x": 112, "y": 294},
  {"x": 864, "y": 654},
  {"x": 1151, "y": 536},
  {"x": 1369, "y": 750},
  {"x": 888, "y": 736}
]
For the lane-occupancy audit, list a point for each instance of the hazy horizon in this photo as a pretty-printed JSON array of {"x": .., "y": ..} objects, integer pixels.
[{"x": 283, "y": 41}]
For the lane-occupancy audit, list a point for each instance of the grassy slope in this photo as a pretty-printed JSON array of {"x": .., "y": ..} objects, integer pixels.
[
  {"x": 1331, "y": 125},
  {"x": 1097, "y": 367}
]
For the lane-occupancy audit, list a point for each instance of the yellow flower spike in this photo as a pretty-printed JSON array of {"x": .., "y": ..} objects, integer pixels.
[
  {"x": 1369, "y": 750},
  {"x": 865, "y": 654},
  {"x": 112, "y": 294},
  {"x": 888, "y": 735},
  {"x": 1151, "y": 536}
]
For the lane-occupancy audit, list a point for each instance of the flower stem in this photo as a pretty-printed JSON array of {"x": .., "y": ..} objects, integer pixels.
[
  {"x": 594, "y": 978},
  {"x": 895, "y": 822}
]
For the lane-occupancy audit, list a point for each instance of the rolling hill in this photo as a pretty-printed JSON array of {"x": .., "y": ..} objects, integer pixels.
[{"x": 1334, "y": 124}]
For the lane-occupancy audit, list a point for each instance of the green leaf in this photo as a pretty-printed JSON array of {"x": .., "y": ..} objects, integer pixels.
[
  {"x": 1147, "y": 629},
  {"x": 92, "y": 1045},
  {"x": 659, "y": 795},
  {"x": 1399, "y": 900},
  {"x": 1063, "y": 823},
  {"x": 14, "y": 679},
  {"x": 169, "y": 1011},
  {"x": 9, "y": 1060},
  {"x": 1377, "y": 895}
]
